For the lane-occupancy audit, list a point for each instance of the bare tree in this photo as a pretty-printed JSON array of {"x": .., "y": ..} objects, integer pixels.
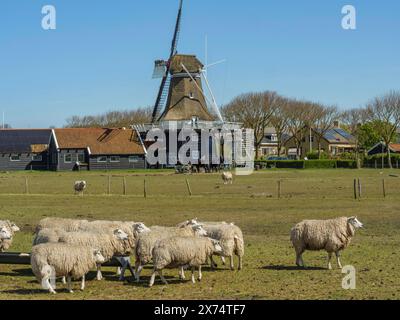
[
  {"x": 323, "y": 122},
  {"x": 280, "y": 121},
  {"x": 254, "y": 110},
  {"x": 386, "y": 110},
  {"x": 111, "y": 119}
]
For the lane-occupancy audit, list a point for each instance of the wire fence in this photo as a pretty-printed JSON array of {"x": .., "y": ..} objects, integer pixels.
[{"x": 260, "y": 185}]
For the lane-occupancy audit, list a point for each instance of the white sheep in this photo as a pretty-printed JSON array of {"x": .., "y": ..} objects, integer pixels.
[
  {"x": 5, "y": 234},
  {"x": 331, "y": 235},
  {"x": 79, "y": 187},
  {"x": 147, "y": 240},
  {"x": 227, "y": 178},
  {"x": 48, "y": 235},
  {"x": 108, "y": 244},
  {"x": 230, "y": 237},
  {"x": 5, "y": 244},
  {"x": 68, "y": 225},
  {"x": 179, "y": 252},
  {"x": 63, "y": 260}
]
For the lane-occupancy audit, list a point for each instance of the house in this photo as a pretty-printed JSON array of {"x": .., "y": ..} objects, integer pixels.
[
  {"x": 96, "y": 149},
  {"x": 269, "y": 145},
  {"x": 24, "y": 149},
  {"x": 380, "y": 148},
  {"x": 335, "y": 141}
]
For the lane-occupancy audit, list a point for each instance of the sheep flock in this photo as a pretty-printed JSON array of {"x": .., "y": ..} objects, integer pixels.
[{"x": 68, "y": 249}]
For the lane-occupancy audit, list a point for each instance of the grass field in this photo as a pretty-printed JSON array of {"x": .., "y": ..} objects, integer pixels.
[{"x": 269, "y": 271}]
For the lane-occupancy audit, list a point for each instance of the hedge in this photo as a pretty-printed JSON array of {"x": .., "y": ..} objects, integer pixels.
[{"x": 309, "y": 164}]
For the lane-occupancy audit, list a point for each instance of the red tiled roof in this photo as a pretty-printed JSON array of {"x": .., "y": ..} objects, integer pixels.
[
  {"x": 100, "y": 141},
  {"x": 395, "y": 147}
]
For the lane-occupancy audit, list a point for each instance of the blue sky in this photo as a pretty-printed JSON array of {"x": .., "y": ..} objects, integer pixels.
[{"x": 101, "y": 56}]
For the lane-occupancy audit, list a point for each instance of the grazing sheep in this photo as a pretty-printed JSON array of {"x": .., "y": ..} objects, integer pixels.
[
  {"x": 68, "y": 225},
  {"x": 179, "y": 252},
  {"x": 79, "y": 187},
  {"x": 147, "y": 240},
  {"x": 331, "y": 235},
  {"x": 108, "y": 244},
  {"x": 227, "y": 177},
  {"x": 5, "y": 244},
  {"x": 5, "y": 234},
  {"x": 63, "y": 260},
  {"x": 48, "y": 236},
  {"x": 230, "y": 237}
]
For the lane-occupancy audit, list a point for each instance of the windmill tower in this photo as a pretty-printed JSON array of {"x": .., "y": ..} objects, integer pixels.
[
  {"x": 181, "y": 100},
  {"x": 181, "y": 96}
]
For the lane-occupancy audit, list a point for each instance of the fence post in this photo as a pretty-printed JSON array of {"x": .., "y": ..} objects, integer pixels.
[
  {"x": 359, "y": 189},
  {"x": 384, "y": 188},
  {"x": 279, "y": 188},
  {"x": 145, "y": 189},
  {"x": 124, "y": 186},
  {"x": 376, "y": 164},
  {"x": 355, "y": 189},
  {"x": 188, "y": 187},
  {"x": 109, "y": 185},
  {"x": 26, "y": 186}
]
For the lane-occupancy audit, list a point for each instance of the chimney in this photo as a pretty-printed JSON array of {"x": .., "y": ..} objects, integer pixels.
[{"x": 336, "y": 124}]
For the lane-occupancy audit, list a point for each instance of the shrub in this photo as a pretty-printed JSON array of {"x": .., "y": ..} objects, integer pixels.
[
  {"x": 347, "y": 164},
  {"x": 320, "y": 164}
]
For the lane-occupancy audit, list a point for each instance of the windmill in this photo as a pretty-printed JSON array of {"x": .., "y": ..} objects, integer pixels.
[{"x": 181, "y": 95}]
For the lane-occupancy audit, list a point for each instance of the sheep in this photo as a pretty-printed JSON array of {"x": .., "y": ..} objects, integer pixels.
[
  {"x": 5, "y": 234},
  {"x": 230, "y": 237},
  {"x": 79, "y": 187},
  {"x": 60, "y": 259},
  {"x": 48, "y": 235},
  {"x": 227, "y": 177},
  {"x": 332, "y": 236},
  {"x": 182, "y": 252},
  {"x": 147, "y": 240},
  {"x": 68, "y": 225},
  {"x": 5, "y": 244},
  {"x": 108, "y": 244}
]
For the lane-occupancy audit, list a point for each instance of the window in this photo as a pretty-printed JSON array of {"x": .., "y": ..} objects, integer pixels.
[
  {"x": 15, "y": 157},
  {"x": 134, "y": 159},
  {"x": 81, "y": 157},
  {"x": 102, "y": 159},
  {"x": 37, "y": 157},
  {"x": 114, "y": 159},
  {"x": 68, "y": 158}
]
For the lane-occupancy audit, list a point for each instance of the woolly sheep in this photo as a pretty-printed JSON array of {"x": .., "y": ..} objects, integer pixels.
[
  {"x": 230, "y": 237},
  {"x": 48, "y": 235},
  {"x": 5, "y": 244},
  {"x": 68, "y": 225},
  {"x": 108, "y": 244},
  {"x": 331, "y": 235},
  {"x": 182, "y": 252},
  {"x": 80, "y": 186},
  {"x": 147, "y": 240},
  {"x": 5, "y": 234},
  {"x": 60, "y": 259},
  {"x": 227, "y": 177}
]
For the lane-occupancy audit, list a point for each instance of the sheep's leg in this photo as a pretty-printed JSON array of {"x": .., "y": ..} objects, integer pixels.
[
  {"x": 200, "y": 274},
  {"x": 83, "y": 283},
  {"x": 50, "y": 288},
  {"x": 63, "y": 280},
  {"x": 182, "y": 274},
  {"x": 99, "y": 276},
  {"x": 193, "y": 280},
  {"x": 299, "y": 257},
  {"x": 69, "y": 280},
  {"x": 223, "y": 260},
  {"x": 118, "y": 271},
  {"x": 338, "y": 260},
  {"x": 153, "y": 277},
  {"x": 231, "y": 263},
  {"x": 139, "y": 270},
  {"x": 329, "y": 260},
  {"x": 240, "y": 267},
  {"x": 212, "y": 263},
  {"x": 162, "y": 277}
]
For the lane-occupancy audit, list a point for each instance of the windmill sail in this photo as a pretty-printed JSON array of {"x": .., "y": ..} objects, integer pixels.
[{"x": 164, "y": 88}]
